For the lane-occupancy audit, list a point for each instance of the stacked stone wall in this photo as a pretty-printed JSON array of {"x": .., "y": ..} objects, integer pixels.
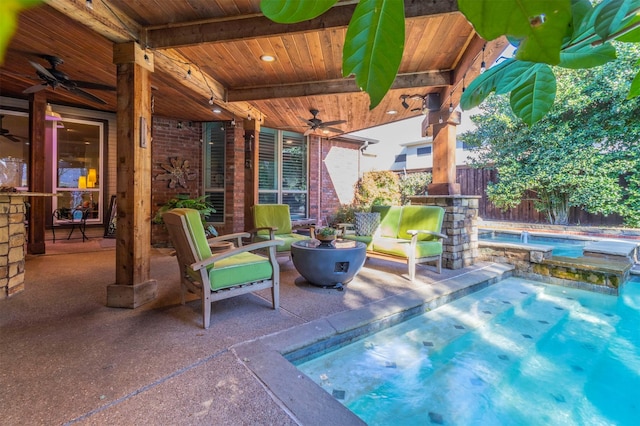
[
  {"x": 12, "y": 242},
  {"x": 460, "y": 224}
]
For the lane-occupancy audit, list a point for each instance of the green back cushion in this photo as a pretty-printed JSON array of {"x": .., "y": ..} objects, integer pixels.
[
  {"x": 389, "y": 220},
  {"x": 274, "y": 216},
  {"x": 287, "y": 238},
  {"x": 421, "y": 217},
  {"x": 196, "y": 230}
]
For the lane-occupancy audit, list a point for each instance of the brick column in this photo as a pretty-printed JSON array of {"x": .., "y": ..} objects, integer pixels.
[
  {"x": 12, "y": 239},
  {"x": 460, "y": 224}
]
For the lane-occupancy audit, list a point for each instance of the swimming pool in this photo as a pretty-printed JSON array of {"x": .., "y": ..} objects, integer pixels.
[
  {"x": 517, "y": 352},
  {"x": 562, "y": 246}
]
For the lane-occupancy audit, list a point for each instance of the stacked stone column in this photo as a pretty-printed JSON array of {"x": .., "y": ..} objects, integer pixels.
[
  {"x": 460, "y": 224},
  {"x": 12, "y": 239}
]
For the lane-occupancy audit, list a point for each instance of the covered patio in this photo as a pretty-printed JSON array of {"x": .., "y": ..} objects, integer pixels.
[
  {"x": 182, "y": 64},
  {"x": 69, "y": 359}
]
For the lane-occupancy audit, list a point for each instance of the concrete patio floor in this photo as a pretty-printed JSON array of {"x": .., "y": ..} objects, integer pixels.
[{"x": 67, "y": 358}]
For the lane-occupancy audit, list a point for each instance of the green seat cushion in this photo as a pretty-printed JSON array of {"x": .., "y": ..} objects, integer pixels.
[
  {"x": 427, "y": 218},
  {"x": 367, "y": 239},
  {"x": 400, "y": 247},
  {"x": 241, "y": 268},
  {"x": 287, "y": 238},
  {"x": 272, "y": 216},
  {"x": 238, "y": 269},
  {"x": 392, "y": 246}
]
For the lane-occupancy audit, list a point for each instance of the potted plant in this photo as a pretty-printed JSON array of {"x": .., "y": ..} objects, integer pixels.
[
  {"x": 326, "y": 234},
  {"x": 185, "y": 201}
]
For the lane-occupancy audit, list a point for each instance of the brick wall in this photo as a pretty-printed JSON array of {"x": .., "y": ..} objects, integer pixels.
[
  {"x": 333, "y": 170},
  {"x": 170, "y": 142}
]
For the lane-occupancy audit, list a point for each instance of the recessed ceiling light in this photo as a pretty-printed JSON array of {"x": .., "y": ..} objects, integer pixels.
[
  {"x": 267, "y": 58},
  {"x": 217, "y": 110},
  {"x": 392, "y": 112}
]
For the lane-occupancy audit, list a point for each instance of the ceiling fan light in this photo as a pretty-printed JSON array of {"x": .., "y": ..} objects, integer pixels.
[{"x": 50, "y": 115}]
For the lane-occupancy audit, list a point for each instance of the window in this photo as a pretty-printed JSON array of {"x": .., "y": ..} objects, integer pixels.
[
  {"x": 14, "y": 149},
  {"x": 214, "y": 176},
  {"x": 402, "y": 158},
  {"x": 77, "y": 177},
  {"x": 423, "y": 150},
  {"x": 283, "y": 170}
]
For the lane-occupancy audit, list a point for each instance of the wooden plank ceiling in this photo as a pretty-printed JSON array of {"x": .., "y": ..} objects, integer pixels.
[{"x": 220, "y": 43}]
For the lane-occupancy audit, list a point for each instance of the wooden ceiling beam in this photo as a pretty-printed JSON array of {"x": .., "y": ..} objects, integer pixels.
[
  {"x": 116, "y": 26},
  {"x": 332, "y": 87},
  {"x": 251, "y": 27},
  {"x": 102, "y": 20}
]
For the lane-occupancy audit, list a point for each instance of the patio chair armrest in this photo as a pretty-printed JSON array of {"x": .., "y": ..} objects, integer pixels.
[
  {"x": 228, "y": 253},
  {"x": 235, "y": 236},
  {"x": 414, "y": 232}
]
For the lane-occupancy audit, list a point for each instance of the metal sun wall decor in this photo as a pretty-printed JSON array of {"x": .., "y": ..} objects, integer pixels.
[{"x": 177, "y": 173}]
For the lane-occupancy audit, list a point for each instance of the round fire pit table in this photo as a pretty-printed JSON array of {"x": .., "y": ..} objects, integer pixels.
[{"x": 328, "y": 264}]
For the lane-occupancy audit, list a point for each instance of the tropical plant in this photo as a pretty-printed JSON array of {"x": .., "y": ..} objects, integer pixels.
[
  {"x": 345, "y": 214},
  {"x": 379, "y": 187},
  {"x": 576, "y": 155},
  {"x": 413, "y": 184},
  {"x": 568, "y": 33},
  {"x": 185, "y": 201},
  {"x": 9, "y": 10}
]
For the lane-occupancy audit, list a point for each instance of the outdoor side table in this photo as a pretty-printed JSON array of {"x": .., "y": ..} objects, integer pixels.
[{"x": 328, "y": 264}]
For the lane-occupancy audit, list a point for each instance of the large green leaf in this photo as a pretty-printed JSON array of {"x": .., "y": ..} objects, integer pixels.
[
  {"x": 291, "y": 11},
  {"x": 587, "y": 57},
  {"x": 541, "y": 24},
  {"x": 501, "y": 78},
  {"x": 635, "y": 86},
  {"x": 610, "y": 17},
  {"x": 9, "y": 10},
  {"x": 373, "y": 46},
  {"x": 632, "y": 36},
  {"x": 534, "y": 97}
]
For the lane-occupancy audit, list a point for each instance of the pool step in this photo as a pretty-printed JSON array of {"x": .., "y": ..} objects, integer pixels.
[
  {"x": 597, "y": 274},
  {"x": 619, "y": 251}
]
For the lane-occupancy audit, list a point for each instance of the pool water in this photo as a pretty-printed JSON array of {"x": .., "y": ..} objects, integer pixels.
[
  {"x": 518, "y": 352},
  {"x": 561, "y": 246}
]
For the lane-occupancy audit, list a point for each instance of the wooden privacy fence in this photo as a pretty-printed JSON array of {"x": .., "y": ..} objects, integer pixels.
[{"x": 474, "y": 182}]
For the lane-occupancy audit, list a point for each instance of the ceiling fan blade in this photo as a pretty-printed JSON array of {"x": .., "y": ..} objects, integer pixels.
[
  {"x": 309, "y": 122},
  {"x": 90, "y": 85},
  {"x": 11, "y": 138},
  {"x": 333, "y": 129},
  {"x": 308, "y": 132},
  {"x": 36, "y": 88},
  {"x": 42, "y": 69},
  {"x": 85, "y": 95},
  {"x": 324, "y": 124}
]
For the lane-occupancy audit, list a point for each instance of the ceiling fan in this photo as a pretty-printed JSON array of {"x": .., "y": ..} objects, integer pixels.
[
  {"x": 54, "y": 78},
  {"x": 7, "y": 134},
  {"x": 315, "y": 123}
]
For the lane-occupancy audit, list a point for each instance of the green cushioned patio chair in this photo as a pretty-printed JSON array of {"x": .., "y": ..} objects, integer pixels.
[
  {"x": 233, "y": 272},
  {"x": 273, "y": 222}
]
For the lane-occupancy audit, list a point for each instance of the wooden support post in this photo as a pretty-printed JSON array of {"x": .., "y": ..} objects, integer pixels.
[
  {"x": 133, "y": 286},
  {"x": 37, "y": 177},
  {"x": 252, "y": 144},
  {"x": 444, "y": 154}
]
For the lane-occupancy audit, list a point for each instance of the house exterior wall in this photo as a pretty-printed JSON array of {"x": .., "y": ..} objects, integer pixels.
[{"x": 334, "y": 169}]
